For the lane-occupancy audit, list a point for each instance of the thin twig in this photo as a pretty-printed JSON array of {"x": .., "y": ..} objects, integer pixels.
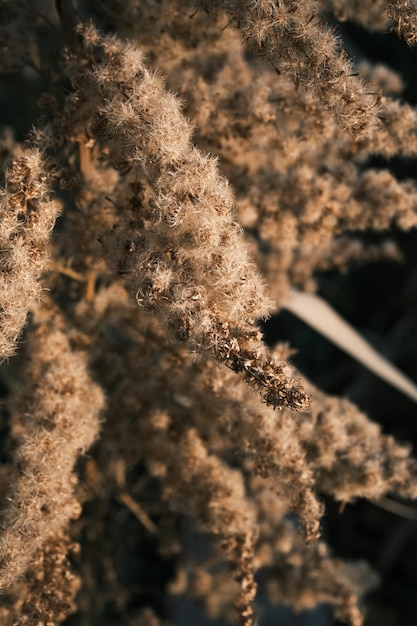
[
  {"x": 138, "y": 512},
  {"x": 67, "y": 271},
  {"x": 397, "y": 508}
]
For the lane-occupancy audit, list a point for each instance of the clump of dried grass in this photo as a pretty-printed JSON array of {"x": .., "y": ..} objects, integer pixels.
[{"x": 157, "y": 274}]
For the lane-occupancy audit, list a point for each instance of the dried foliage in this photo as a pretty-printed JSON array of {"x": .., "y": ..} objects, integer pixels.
[{"x": 184, "y": 221}]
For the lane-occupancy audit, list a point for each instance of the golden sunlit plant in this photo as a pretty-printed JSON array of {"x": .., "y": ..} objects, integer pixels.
[{"x": 194, "y": 164}]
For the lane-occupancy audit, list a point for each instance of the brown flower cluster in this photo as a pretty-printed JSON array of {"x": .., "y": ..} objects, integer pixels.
[{"x": 203, "y": 159}]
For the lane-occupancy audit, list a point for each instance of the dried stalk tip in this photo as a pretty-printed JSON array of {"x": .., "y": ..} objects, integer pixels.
[{"x": 27, "y": 217}]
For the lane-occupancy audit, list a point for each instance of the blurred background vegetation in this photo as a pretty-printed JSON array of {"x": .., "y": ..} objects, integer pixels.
[{"x": 379, "y": 300}]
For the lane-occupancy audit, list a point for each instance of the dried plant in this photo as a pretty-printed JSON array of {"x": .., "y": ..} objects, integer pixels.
[{"x": 133, "y": 319}]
